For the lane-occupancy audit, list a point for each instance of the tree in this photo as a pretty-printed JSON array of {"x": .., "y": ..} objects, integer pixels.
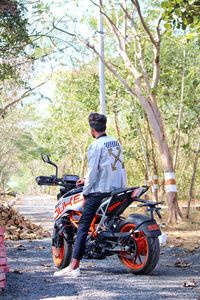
[
  {"x": 17, "y": 146},
  {"x": 14, "y": 37}
]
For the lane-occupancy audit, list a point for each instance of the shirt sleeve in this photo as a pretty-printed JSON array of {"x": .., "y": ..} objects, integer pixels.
[{"x": 94, "y": 153}]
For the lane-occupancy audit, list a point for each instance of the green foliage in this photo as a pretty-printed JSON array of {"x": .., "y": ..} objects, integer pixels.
[
  {"x": 181, "y": 14},
  {"x": 81, "y": 86},
  {"x": 14, "y": 37},
  {"x": 17, "y": 145}
]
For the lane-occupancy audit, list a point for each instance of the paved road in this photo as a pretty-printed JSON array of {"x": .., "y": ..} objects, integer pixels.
[
  {"x": 31, "y": 276},
  {"x": 38, "y": 209}
]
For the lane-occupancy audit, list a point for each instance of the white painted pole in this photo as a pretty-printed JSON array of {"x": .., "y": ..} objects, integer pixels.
[{"x": 101, "y": 66}]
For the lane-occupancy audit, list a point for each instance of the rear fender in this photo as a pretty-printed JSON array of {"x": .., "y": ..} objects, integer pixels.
[{"x": 145, "y": 224}]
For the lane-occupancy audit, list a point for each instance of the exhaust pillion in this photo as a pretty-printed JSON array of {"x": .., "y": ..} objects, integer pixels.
[{"x": 133, "y": 239}]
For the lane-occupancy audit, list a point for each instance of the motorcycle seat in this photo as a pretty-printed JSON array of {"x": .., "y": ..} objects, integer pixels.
[{"x": 118, "y": 191}]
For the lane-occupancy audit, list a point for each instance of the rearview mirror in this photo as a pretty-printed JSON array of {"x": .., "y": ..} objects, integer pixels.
[{"x": 45, "y": 158}]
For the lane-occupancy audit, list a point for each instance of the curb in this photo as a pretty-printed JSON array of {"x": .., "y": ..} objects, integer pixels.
[{"x": 3, "y": 261}]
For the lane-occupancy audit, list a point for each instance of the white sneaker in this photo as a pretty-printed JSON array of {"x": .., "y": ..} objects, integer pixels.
[{"x": 68, "y": 272}]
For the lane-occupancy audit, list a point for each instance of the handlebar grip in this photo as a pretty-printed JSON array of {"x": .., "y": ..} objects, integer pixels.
[{"x": 44, "y": 180}]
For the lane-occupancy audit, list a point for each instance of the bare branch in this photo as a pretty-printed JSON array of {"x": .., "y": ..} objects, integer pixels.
[
  {"x": 121, "y": 45},
  {"x": 139, "y": 51},
  {"x": 156, "y": 62},
  {"x": 116, "y": 14},
  {"x": 156, "y": 68},
  {"x": 24, "y": 95},
  {"x": 146, "y": 28},
  {"x": 64, "y": 31},
  {"x": 158, "y": 28},
  {"x": 112, "y": 70}
]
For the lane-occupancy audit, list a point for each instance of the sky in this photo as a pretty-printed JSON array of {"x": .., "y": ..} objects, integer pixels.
[{"x": 42, "y": 70}]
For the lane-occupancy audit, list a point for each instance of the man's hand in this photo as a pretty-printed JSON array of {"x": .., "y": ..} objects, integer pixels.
[{"x": 80, "y": 182}]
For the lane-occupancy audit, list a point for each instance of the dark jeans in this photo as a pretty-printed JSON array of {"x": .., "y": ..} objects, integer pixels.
[{"x": 89, "y": 211}]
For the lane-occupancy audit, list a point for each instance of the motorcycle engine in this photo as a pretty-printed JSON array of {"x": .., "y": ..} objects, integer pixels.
[{"x": 93, "y": 250}]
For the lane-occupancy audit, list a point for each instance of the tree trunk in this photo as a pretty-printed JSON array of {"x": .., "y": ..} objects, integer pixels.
[
  {"x": 117, "y": 124},
  {"x": 155, "y": 167},
  {"x": 156, "y": 123},
  {"x": 178, "y": 129},
  {"x": 83, "y": 160},
  {"x": 192, "y": 180}
]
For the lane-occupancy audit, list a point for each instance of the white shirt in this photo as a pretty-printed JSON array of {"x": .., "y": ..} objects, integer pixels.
[{"x": 106, "y": 170}]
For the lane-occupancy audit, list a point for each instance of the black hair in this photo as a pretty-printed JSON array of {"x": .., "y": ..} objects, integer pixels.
[{"x": 98, "y": 122}]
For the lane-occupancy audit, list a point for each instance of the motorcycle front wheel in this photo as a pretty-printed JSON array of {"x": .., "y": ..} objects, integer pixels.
[
  {"x": 144, "y": 251},
  {"x": 64, "y": 258}
]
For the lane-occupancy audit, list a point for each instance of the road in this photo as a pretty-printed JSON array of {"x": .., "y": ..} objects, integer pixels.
[{"x": 31, "y": 276}]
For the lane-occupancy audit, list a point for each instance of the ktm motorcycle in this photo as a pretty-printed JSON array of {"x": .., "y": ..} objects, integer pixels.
[{"x": 133, "y": 239}]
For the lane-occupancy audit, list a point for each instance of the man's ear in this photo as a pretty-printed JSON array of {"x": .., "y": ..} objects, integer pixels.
[{"x": 93, "y": 132}]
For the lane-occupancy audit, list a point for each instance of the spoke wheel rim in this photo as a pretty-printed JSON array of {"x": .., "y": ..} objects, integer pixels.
[{"x": 141, "y": 257}]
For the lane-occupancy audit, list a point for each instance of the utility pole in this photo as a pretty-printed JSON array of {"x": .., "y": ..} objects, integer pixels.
[{"x": 101, "y": 65}]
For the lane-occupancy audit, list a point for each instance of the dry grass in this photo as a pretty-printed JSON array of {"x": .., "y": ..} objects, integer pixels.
[{"x": 186, "y": 233}]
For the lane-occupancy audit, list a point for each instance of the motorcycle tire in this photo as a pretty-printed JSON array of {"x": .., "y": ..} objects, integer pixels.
[
  {"x": 146, "y": 251},
  {"x": 65, "y": 256}
]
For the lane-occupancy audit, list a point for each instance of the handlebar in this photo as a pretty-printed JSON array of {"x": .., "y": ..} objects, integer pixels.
[{"x": 53, "y": 180}]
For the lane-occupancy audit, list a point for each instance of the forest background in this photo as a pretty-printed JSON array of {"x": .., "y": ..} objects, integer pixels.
[{"x": 49, "y": 83}]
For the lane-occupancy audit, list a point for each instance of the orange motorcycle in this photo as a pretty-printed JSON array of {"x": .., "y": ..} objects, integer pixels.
[{"x": 133, "y": 239}]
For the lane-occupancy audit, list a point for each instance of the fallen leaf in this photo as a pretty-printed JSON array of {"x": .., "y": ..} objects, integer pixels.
[
  {"x": 190, "y": 283},
  {"x": 178, "y": 244},
  {"x": 16, "y": 271},
  {"x": 46, "y": 265},
  {"x": 189, "y": 248},
  {"x": 181, "y": 263},
  {"x": 40, "y": 247},
  {"x": 47, "y": 280},
  {"x": 19, "y": 247}
]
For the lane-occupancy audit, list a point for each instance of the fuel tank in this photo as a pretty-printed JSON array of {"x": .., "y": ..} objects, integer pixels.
[{"x": 72, "y": 200}]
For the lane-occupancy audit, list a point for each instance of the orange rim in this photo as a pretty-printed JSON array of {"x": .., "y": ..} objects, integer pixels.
[
  {"x": 58, "y": 260},
  {"x": 140, "y": 258}
]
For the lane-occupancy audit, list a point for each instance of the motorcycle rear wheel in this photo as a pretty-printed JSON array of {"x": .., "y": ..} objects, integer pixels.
[
  {"x": 146, "y": 251},
  {"x": 65, "y": 256}
]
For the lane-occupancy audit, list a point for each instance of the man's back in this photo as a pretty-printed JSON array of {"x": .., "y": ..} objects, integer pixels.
[{"x": 106, "y": 170}]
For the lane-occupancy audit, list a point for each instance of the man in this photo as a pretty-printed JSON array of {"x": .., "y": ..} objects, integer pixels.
[{"x": 105, "y": 173}]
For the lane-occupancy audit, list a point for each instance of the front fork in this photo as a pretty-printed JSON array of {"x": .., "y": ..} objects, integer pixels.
[{"x": 63, "y": 229}]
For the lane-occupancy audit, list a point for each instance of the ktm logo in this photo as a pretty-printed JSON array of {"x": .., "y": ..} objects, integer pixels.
[{"x": 73, "y": 200}]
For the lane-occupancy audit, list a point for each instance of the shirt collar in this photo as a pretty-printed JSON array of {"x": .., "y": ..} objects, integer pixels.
[{"x": 104, "y": 134}]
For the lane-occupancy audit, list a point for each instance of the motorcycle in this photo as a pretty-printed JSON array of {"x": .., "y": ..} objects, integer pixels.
[{"x": 133, "y": 239}]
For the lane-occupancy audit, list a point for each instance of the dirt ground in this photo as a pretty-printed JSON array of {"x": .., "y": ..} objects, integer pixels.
[{"x": 185, "y": 234}]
